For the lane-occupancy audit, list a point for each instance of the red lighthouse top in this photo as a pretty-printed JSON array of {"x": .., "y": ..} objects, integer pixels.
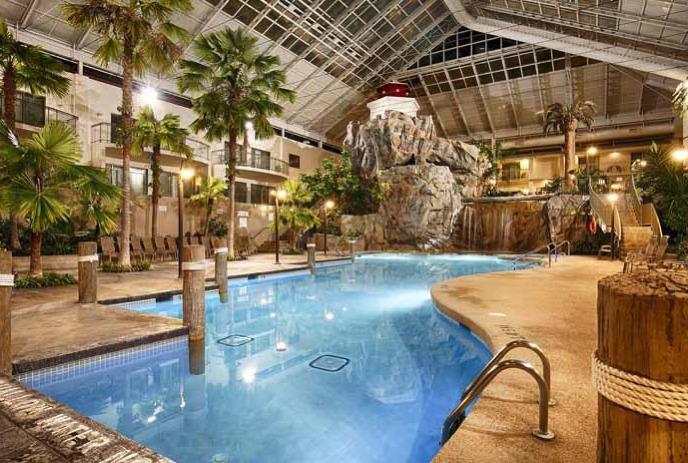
[{"x": 394, "y": 89}]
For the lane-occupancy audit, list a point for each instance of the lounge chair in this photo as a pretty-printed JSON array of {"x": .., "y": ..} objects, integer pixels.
[
  {"x": 148, "y": 248},
  {"x": 656, "y": 258},
  {"x": 107, "y": 248},
  {"x": 634, "y": 257},
  {"x": 172, "y": 245},
  {"x": 161, "y": 249},
  {"x": 137, "y": 251}
]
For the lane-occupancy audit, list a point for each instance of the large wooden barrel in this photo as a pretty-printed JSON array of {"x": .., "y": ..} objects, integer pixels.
[{"x": 643, "y": 330}]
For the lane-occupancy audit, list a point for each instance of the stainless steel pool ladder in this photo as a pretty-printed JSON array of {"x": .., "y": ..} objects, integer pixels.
[
  {"x": 550, "y": 249},
  {"x": 560, "y": 245},
  {"x": 489, "y": 372}
]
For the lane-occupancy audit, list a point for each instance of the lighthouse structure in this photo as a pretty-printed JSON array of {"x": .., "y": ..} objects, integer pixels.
[{"x": 393, "y": 96}]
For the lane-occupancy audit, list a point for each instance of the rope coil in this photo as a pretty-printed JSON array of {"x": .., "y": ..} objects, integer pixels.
[
  {"x": 659, "y": 399},
  {"x": 6, "y": 279},
  {"x": 193, "y": 266},
  {"x": 89, "y": 258},
  {"x": 224, "y": 250}
]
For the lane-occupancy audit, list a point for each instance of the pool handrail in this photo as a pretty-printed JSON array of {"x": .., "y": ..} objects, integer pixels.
[
  {"x": 454, "y": 420},
  {"x": 560, "y": 245},
  {"x": 549, "y": 246}
]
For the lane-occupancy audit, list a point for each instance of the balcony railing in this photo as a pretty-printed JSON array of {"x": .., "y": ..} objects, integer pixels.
[
  {"x": 252, "y": 160},
  {"x": 103, "y": 133},
  {"x": 31, "y": 110}
]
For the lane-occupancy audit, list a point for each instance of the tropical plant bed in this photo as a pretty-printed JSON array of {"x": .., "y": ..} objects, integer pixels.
[
  {"x": 111, "y": 267},
  {"x": 48, "y": 280}
]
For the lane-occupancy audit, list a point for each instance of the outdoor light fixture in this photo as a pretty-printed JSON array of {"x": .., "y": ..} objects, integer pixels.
[
  {"x": 186, "y": 173},
  {"x": 149, "y": 96},
  {"x": 680, "y": 154},
  {"x": 643, "y": 163}
]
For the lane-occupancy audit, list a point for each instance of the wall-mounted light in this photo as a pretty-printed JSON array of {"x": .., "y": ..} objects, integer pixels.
[
  {"x": 149, "y": 96},
  {"x": 592, "y": 151}
]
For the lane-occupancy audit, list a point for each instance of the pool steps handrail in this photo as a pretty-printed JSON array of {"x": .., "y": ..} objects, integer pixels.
[
  {"x": 560, "y": 245},
  {"x": 549, "y": 246},
  {"x": 489, "y": 372}
]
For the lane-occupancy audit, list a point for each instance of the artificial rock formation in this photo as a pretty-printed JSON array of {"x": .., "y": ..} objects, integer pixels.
[{"x": 425, "y": 176}]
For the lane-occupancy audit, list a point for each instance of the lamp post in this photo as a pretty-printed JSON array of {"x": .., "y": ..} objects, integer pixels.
[
  {"x": 184, "y": 174},
  {"x": 278, "y": 194},
  {"x": 613, "y": 197},
  {"x": 329, "y": 204}
]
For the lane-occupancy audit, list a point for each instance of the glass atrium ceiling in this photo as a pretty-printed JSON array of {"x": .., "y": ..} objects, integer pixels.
[{"x": 478, "y": 66}]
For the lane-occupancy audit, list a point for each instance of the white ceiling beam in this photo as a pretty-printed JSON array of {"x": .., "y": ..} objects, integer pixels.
[
  {"x": 634, "y": 59},
  {"x": 26, "y": 16}
]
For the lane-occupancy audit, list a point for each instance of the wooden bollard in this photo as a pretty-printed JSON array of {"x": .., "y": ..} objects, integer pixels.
[
  {"x": 6, "y": 284},
  {"x": 193, "y": 297},
  {"x": 310, "y": 247},
  {"x": 642, "y": 330},
  {"x": 88, "y": 271},
  {"x": 221, "y": 269}
]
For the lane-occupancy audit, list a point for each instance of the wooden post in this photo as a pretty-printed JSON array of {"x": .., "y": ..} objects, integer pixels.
[
  {"x": 311, "y": 256},
  {"x": 6, "y": 283},
  {"x": 221, "y": 269},
  {"x": 193, "y": 298},
  {"x": 88, "y": 271},
  {"x": 642, "y": 327}
]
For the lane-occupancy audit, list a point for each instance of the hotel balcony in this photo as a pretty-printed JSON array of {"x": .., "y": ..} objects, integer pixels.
[
  {"x": 257, "y": 165},
  {"x": 103, "y": 135},
  {"x": 32, "y": 113}
]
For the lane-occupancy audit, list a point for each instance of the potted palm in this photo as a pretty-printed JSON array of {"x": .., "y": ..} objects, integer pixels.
[
  {"x": 28, "y": 67},
  {"x": 294, "y": 213},
  {"x": 233, "y": 83},
  {"x": 140, "y": 37},
  {"x": 44, "y": 179},
  {"x": 565, "y": 119},
  {"x": 158, "y": 134}
]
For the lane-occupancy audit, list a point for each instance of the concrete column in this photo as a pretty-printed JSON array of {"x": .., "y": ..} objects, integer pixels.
[
  {"x": 193, "y": 297},
  {"x": 88, "y": 272},
  {"x": 221, "y": 269},
  {"x": 311, "y": 256},
  {"x": 6, "y": 283}
]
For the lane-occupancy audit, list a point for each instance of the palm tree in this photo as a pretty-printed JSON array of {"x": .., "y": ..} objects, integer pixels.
[
  {"x": 565, "y": 119},
  {"x": 45, "y": 177},
  {"x": 209, "y": 191},
  {"x": 25, "y": 66},
  {"x": 138, "y": 35},
  {"x": 680, "y": 98},
  {"x": 294, "y": 212},
  {"x": 234, "y": 83},
  {"x": 158, "y": 134}
]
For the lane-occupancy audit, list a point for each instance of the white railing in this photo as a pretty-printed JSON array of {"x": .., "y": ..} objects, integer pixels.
[
  {"x": 645, "y": 213},
  {"x": 636, "y": 202},
  {"x": 600, "y": 207}
]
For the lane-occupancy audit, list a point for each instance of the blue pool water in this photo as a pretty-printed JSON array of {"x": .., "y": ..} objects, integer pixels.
[{"x": 407, "y": 365}]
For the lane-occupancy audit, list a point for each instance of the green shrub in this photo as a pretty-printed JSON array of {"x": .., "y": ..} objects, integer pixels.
[
  {"x": 217, "y": 227},
  {"x": 682, "y": 250},
  {"x": 113, "y": 267},
  {"x": 48, "y": 280}
]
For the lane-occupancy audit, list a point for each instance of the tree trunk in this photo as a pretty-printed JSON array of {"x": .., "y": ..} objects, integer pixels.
[
  {"x": 35, "y": 263},
  {"x": 125, "y": 219},
  {"x": 9, "y": 92},
  {"x": 642, "y": 324},
  {"x": 155, "y": 168},
  {"x": 570, "y": 154},
  {"x": 231, "y": 184}
]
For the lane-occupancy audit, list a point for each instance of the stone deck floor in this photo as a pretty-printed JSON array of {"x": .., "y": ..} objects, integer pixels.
[
  {"x": 49, "y": 326},
  {"x": 555, "y": 308}
]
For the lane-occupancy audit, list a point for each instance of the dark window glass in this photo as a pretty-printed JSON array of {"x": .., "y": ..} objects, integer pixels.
[
  {"x": 241, "y": 192},
  {"x": 294, "y": 161}
]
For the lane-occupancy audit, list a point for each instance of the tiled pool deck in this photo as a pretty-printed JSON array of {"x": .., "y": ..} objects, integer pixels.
[{"x": 557, "y": 309}]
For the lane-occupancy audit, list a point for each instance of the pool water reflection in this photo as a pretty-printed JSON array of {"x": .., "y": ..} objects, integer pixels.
[{"x": 260, "y": 397}]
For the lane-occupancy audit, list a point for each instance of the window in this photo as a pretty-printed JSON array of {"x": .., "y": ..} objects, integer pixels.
[
  {"x": 138, "y": 179},
  {"x": 240, "y": 192},
  {"x": 592, "y": 161},
  {"x": 168, "y": 184},
  {"x": 260, "y": 194},
  {"x": 260, "y": 159},
  {"x": 295, "y": 161},
  {"x": 512, "y": 171}
]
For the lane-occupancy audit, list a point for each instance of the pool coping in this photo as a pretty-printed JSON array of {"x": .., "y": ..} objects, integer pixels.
[{"x": 36, "y": 425}]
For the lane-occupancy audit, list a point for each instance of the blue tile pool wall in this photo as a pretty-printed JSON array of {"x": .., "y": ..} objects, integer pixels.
[
  {"x": 80, "y": 368},
  {"x": 254, "y": 403}
]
